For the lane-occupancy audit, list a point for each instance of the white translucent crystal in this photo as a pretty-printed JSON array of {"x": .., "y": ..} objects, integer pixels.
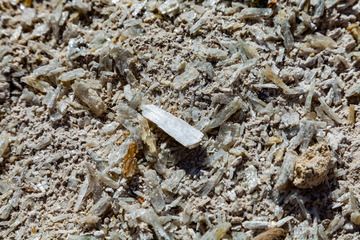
[{"x": 177, "y": 128}]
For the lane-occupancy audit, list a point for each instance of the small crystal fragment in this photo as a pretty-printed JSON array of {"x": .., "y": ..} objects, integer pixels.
[
  {"x": 252, "y": 179},
  {"x": 148, "y": 216},
  {"x": 189, "y": 76},
  {"x": 282, "y": 20},
  {"x": 5, "y": 211},
  {"x": 310, "y": 95},
  {"x": 271, "y": 76},
  {"x": 170, "y": 184},
  {"x": 255, "y": 13},
  {"x": 154, "y": 191},
  {"x": 329, "y": 111},
  {"x": 197, "y": 26},
  {"x": 217, "y": 233},
  {"x": 4, "y": 143},
  {"x": 102, "y": 206},
  {"x": 286, "y": 172},
  {"x": 83, "y": 192},
  {"x": 290, "y": 119},
  {"x": 224, "y": 114},
  {"x": 354, "y": 90},
  {"x": 320, "y": 41},
  {"x": 72, "y": 75},
  {"x": 89, "y": 97},
  {"x": 352, "y": 114},
  {"x": 169, "y": 7},
  {"x": 243, "y": 67},
  {"x": 181, "y": 131},
  {"x": 129, "y": 162},
  {"x": 212, "y": 182},
  {"x": 255, "y": 225},
  {"x": 109, "y": 128}
]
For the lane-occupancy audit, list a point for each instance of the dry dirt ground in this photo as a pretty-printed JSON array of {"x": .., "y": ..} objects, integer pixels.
[{"x": 271, "y": 88}]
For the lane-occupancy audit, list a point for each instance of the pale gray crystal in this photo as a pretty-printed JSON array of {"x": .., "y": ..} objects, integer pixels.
[
  {"x": 169, "y": 7},
  {"x": 255, "y": 13},
  {"x": 189, "y": 76},
  {"x": 170, "y": 184},
  {"x": 224, "y": 114},
  {"x": 286, "y": 172},
  {"x": 72, "y": 75},
  {"x": 290, "y": 119},
  {"x": 252, "y": 179},
  {"x": 89, "y": 97},
  {"x": 102, "y": 206},
  {"x": 354, "y": 90}
]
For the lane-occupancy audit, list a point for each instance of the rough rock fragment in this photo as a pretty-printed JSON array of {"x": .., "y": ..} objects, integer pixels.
[
  {"x": 354, "y": 29},
  {"x": 89, "y": 97},
  {"x": 5, "y": 211},
  {"x": 312, "y": 167},
  {"x": 177, "y": 128},
  {"x": 355, "y": 214},
  {"x": 271, "y": 234},
  {"x": 321, "y": 42},
  {"x": 28, "y": 17}
]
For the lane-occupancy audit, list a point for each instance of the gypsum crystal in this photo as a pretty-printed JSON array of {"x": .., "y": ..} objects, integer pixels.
[
  {"x": 177, "y": 128},
  {"x": 189, "y": 76},
  {"x": 224, "y": 114},
  {"x": 255, "y": 13},
  {"x": 286, "y": 172},
  {"x": 89, "y": 97}
]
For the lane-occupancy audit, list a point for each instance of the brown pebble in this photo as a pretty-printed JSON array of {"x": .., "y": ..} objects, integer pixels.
[
  {"x": 312, "y": 167},
  {"x": 272, "y": 234}
]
